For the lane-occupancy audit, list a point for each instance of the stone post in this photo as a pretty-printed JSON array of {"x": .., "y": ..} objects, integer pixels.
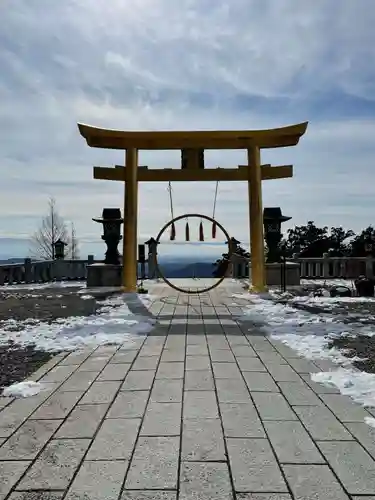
[
  {"x": 28, "y": 271},
  {"x": 325, "y": 265},
  {"x": 152, "y": 258},
  {"x": 369, "y": 271}
]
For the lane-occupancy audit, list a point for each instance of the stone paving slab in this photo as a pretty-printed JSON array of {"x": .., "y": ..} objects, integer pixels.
[{"x": 203, "y": 407}]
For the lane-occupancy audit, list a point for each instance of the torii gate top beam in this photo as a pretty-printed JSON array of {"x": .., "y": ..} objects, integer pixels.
[{"x": 117, "y": 139}]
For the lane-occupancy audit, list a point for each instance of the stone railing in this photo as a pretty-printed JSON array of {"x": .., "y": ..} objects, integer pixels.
[
  {"x": 317, "y": 268},
  {"x": 43, "y": 271},
  {"x": 336, "y": 267}
]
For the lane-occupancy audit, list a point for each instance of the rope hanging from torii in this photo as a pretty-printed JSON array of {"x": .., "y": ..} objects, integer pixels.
[{"x": 172, "y": 236}]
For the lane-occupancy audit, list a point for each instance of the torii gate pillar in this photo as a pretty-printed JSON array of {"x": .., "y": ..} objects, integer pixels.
[
  {"x": 129, "y": 270},
  {"x": 257, "y": 269}
]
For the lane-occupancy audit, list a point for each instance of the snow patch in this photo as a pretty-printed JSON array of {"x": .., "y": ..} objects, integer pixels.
[
  {"x": 370, "y": 421},
  {"x": 309, "y": 333},
  {"x": 24, "y": 389},
  {"x": 113, "y": 324},
  {"x": 42, "y": 286},
  {"x": 360, "y": 386}
]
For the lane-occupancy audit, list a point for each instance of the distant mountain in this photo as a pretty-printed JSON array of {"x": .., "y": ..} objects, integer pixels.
[
  {"x": 196, "y": 269},
  {"x": 12, "y": 261},
  {"x": 185, "y": 269}
]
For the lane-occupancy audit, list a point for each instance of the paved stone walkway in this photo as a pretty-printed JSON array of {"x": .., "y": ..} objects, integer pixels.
[{"x": 203, "y": 408}]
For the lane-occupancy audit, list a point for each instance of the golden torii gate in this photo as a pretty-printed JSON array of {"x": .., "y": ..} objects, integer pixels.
[{"x": 192, "y": 146}]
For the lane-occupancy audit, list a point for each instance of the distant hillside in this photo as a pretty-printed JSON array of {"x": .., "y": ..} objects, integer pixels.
[
  {"x": 11, "y": 261},
  {"x": 185, "y": 270},
  {"x": 198, "y": 269}
]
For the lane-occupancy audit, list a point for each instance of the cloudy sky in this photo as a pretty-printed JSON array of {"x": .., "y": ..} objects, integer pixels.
[{"x": 187, "y": 64}]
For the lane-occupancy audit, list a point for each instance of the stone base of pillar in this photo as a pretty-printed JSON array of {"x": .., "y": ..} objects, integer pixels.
[
  {"x": 274, "y": 274},
  {"x": 106, "y": 275}
]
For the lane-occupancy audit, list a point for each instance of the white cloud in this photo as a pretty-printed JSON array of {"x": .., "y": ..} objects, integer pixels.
[{"x": 193, "y": 64}]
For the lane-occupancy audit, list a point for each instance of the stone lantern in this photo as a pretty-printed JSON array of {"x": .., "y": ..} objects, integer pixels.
[
  {"x": 233, "y": 245},
  {"x": 111, "y": 220},
  {"x": 272, "y": 220},
  {"x": 59, "y": 249}
]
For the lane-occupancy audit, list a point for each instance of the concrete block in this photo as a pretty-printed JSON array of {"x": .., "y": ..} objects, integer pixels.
[
  {"x": 114, "y": 371},
  {"x": 322, "y": 424},
  {"x": 29, "y": 439},
  {"x": 202, "y": 440},
  {"x": 292, "y": 444},
  {"x": 250, "y": 364},
  {"x": 254, "y": 467},
  {"x": 272, "y": 406},
  {"x": 57, "y": 406},
  {"x": 78, "y": 382},
  {"x": 200, "y": 404},
  {"x": 146, "y": 363},
  {"x": 313, "y": 482},
  {"x": 344, "y": 408},
  {"x": 138, "y": 380},
  {"x": 298, "y": 393},
  {"x": 198, "y": 363},
  {"x": 56, "y": 465},
  {"x": 232, "y": 391},
  {"x": 154, "y": 464},
  {"x": 170, "y": 370},
  {"x": 83, "y": 422},
  {"x": 167, "y": 391},
  {"x": 115, "y": 439},
  {"x": 10, "y": 473},
  {"x": 352, "y": 465},
  {"x": 241, "y": 420},
  {"x": 260, "y": 382},
  {"x": 211, "y": 480},
  {"x": 226, "y": 370},
  {"x": 129, "y": 404},
  {"x": 162, "y": 419},
  {"x": 98, "y": 481},
  {"x": 101, "y": 392}
]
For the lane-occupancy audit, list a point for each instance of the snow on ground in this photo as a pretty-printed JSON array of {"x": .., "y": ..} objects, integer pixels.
[
  {"x": 24, "y": 389},
  {"x": 328, "y": 282},
  {"x": 113, "y": 324},
  {"x": 326, "y": 303},
  {"x": 309, "y": 334},
  {"x": 42, "y": 286}
]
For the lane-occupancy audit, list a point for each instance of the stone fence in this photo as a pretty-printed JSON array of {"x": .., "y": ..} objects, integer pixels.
[
  {"x": 336, "y": 267},
  {"x": 319, "y": 268},
  {"x": 43, "y": 271},
  {"x": 58, "y": 270}
]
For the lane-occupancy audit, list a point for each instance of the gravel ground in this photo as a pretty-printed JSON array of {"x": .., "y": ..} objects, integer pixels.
[
  {"x": 361, "y": 346},
  {"x": 47, "y": 304},
  {"x": 17, "y": 363}
]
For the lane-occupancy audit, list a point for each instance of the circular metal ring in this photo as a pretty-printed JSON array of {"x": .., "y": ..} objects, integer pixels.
[{"x": 162, "y": 231}]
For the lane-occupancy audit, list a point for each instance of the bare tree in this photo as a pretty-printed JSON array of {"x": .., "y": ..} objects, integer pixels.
[
  {"x": 74, "y": 248},
  {"x": 52, "y": 228}
]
